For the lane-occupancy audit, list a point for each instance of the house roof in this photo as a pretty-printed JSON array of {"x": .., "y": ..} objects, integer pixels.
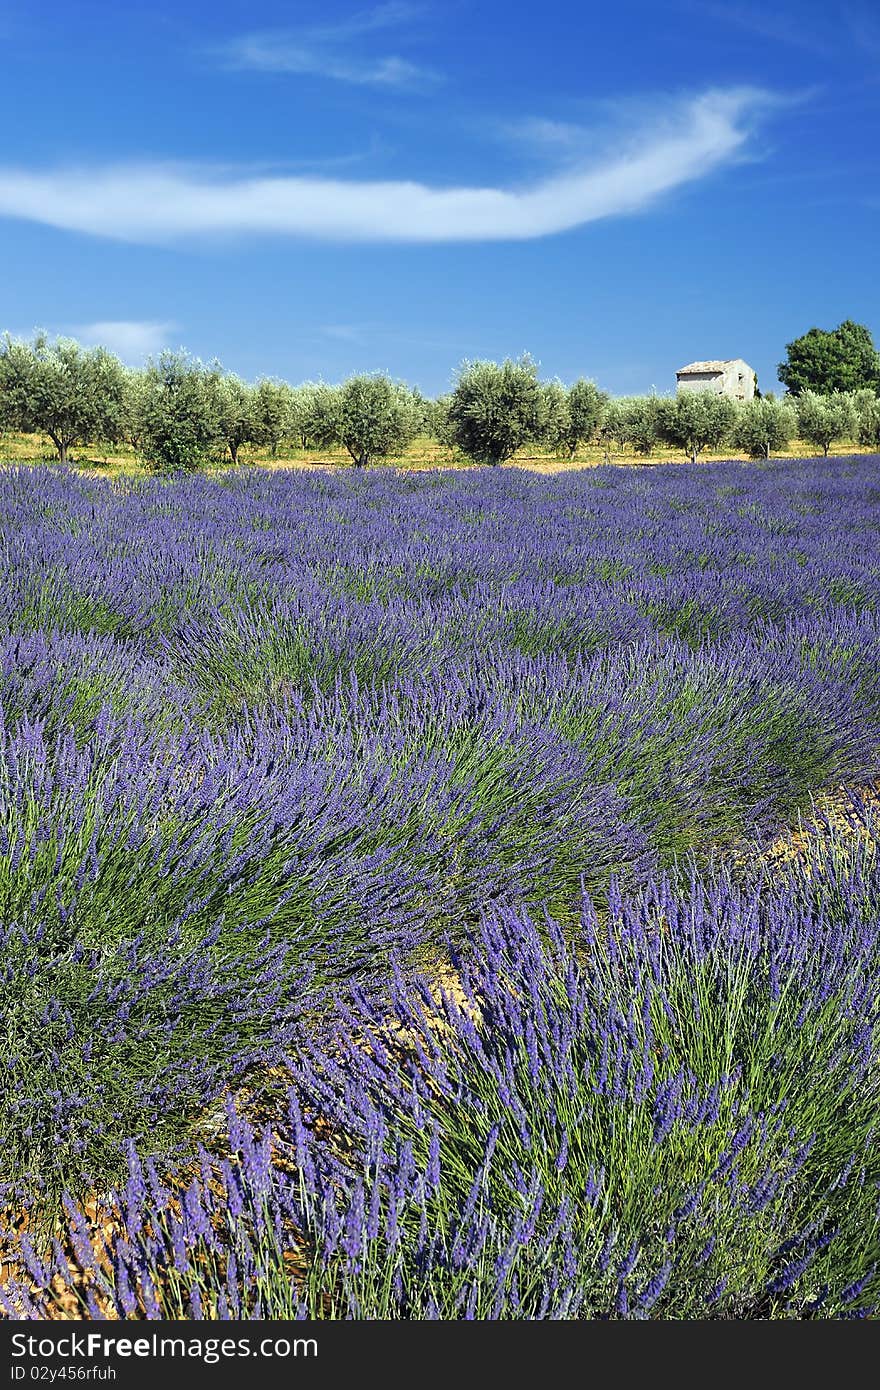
[{"x": 705, "y": 366}]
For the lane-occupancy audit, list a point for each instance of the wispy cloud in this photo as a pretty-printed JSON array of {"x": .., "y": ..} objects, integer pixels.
[
  {"x": 147, "y": 203},
  {"x": 557, "y": 138},
  {"x": 339, "y": 51},
  {"x": 864, "y": 26},
  {"x": 784, "y": 26},
  {"x": 131, "y": 339},
  {"x": 836, "y": 30},
  {"x": 348, "y": 332}
]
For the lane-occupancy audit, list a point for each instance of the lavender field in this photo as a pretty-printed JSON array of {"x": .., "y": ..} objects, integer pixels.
[{"x": 387, "y": 924}]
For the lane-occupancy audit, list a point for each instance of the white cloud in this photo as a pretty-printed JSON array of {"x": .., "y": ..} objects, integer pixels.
[
  {"x": 330, "y": 51},
  {"x": 679, "y": 144},
  {"x": 559, "y": 136},
  {"x": 277, "y": 53},
  {"x": 131, "y": 339},
  {"x": 347, "y": 332}
]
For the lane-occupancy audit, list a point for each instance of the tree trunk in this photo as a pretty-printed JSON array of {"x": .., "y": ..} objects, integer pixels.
[{"x": 233, "y": 450}]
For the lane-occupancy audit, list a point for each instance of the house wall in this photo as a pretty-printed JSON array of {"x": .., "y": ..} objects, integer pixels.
[
  {"x": 737, "y": 380},
  {"x": 701, "y": 381}
]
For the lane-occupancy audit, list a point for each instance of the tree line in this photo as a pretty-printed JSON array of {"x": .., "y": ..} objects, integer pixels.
[{"x": 178, "y": 414}]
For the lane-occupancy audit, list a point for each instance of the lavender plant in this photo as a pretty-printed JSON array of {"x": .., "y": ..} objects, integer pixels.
[
  {"x": 672, "y": 1115},
  {"x": 259, "y": 732}
]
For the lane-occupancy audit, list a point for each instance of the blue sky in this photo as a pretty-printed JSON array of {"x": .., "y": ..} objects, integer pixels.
[{"x": 308, "y": 190}]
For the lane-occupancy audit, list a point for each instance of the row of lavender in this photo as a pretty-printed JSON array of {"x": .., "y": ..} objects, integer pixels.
[
  {"x": 672, "y": 1114},
  {"x": 260, "y": 734}
]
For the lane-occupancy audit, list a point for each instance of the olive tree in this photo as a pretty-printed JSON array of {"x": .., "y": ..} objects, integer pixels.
[
  {"x": 638, "y": 422},
  {"x": 697, "y": 420},
  {"x": 179, "y": 426},
  {"x": 495, "y": 409},
  {"x": 868, "y": 424},
  {"x": 273, "y": 413},
  {"x": 315, "y": 414},
  {"x": 437, "y": 422},
  {"x": 822, "y": 419},
  {"x": 134, "y": 399},
  {"x": 763, "y": 426},
  {"x": 611, "y": 430},
  {"x": 571, "y": 417},
  {"x": 586, "y": 411},
  {"x": 233, "y": 405},
  {"x": 423, "y": 408},
  {"x": 377, "y": 417},
  {"x": 555, "y": 420},
  {"x": 70, "y": 393}
]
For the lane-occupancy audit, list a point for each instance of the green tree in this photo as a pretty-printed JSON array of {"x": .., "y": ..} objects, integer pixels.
[
  {"x": 377, "y": 417},
  {"x": 495, "y": 409},
  {"x": 613, "y": 426},
  {"x": 423, "y": 408},
  {"x": 571, "y": 417},
  {"x": 180, "y": 426},
  {"x": 868, "y": 419},
  {"x": 555, "y": 418},
  {"x": 763, "y": 426},
  {"x": 586, "y": 408},
  {"x": 697, "y": 420},
  {"x": 638, "y": 421},
  {"x": 71, "y": 393},
  {"x": 134, "y": 400},
  {"x": 233, "y": 406},
  {"x": 273, "y": 413},
  {"x": 437, "y": 422},
  {"x": 822, "y": 419},
  {"x": 842, "y": 359},
  {"x": 315, "y": 414}
]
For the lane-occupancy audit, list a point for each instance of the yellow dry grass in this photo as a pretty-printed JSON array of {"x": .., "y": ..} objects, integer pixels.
[{"x": 423, "y": 453}]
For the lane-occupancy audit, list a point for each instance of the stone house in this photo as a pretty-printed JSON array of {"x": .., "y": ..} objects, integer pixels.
[{"x": 733, "y": 378}]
